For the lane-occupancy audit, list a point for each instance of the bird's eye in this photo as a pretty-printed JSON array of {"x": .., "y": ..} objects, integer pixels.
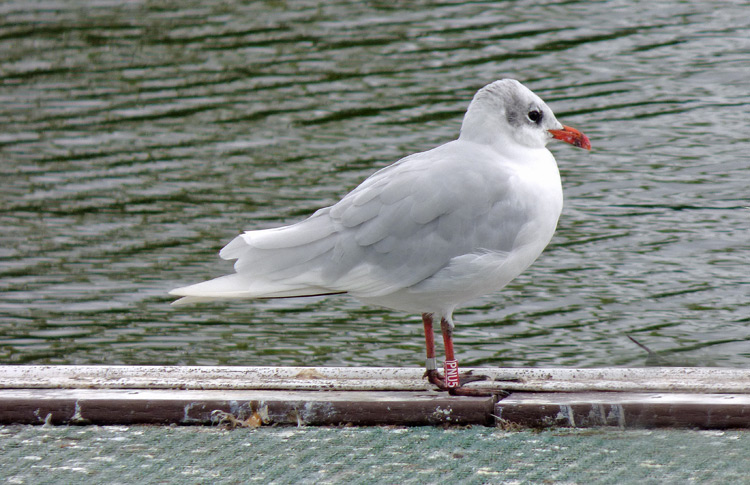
[{"x": 535, "y": 116}]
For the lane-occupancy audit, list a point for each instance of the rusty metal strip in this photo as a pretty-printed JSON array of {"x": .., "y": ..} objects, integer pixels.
[
  {"x": 239, "y": 408},
  {"x": 624, "y": 410}
]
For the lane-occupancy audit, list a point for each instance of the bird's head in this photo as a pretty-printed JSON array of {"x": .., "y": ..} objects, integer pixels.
[{"x": 507, "y": 110}]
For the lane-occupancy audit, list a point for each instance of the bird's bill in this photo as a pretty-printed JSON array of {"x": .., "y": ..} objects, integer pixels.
[{"x": 572, "y": 136}]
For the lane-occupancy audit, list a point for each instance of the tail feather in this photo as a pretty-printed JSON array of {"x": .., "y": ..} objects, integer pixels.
[
  {"x": 187, "y": 300},
  {"x": 236, "y": 287},
  {"x": 271, "y": 263}
]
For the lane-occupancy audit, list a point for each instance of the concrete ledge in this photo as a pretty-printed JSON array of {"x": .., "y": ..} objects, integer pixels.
[
  {"x": 257, "y": 396},
  {"x": 699, "y": 380}
]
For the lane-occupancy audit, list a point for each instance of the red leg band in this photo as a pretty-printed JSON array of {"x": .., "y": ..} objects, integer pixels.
[{"x": 450, "y": 367}]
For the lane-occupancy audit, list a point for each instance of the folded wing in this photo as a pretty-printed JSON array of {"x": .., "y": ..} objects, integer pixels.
[{"x": 398, "y": 228}]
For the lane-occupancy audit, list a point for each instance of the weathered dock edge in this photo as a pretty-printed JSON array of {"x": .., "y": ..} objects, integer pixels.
[
  {"x": 642, "y": 397},
  {"x": 240, "y": 407},
  {"x": 625, "y": 410}
]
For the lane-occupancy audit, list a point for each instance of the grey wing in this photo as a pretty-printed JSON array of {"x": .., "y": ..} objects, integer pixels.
[
  {"x": 398, "y": 228},
  {"x": 405, "y": 224}
]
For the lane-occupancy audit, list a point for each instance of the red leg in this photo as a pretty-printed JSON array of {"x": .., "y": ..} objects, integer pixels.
[
  {"x": 451, "y": 365},
  {"x": 447, "y": 330},
  {"x": 429, "y": 338},
  {"x": 431, "y": 363},
  {"x": 452, "y": 379}
]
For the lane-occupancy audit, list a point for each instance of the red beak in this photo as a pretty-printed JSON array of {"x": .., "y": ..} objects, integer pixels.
[{"x": 572, "y": 136}]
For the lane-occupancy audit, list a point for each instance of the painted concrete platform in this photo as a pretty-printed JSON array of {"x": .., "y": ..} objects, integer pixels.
[{"x": 370, "y": 455}]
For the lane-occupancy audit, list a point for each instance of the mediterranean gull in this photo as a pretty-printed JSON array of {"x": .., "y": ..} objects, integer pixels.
[{"x": 426, "y": 234}]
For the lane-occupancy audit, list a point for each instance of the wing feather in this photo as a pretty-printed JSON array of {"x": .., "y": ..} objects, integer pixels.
[{"x": 400, "y": 227}]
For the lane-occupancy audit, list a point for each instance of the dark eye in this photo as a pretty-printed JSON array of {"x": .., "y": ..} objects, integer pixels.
[{"x": 535, "y": 116}]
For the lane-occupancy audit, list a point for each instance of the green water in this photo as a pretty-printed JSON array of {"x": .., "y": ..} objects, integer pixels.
[{"x": 137, "y": 138}]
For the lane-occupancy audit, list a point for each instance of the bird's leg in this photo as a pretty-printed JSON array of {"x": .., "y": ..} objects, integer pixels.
[
  {"x": 431, "y": 363},
  {"x": 452, "y": 377},
  {"x": 450, "y": 366}
]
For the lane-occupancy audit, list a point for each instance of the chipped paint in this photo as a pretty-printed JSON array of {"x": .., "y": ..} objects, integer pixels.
[
  {"x": 444, "y": 413},
  {"x": 567, "y": 416},
  {"x": 77, "y": 418},
  {"x": 186, "y": 418},
  {"x": 616, "y": 415}
]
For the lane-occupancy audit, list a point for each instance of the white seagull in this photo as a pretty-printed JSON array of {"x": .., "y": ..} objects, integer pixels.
[{"x": 426, "y": 234}]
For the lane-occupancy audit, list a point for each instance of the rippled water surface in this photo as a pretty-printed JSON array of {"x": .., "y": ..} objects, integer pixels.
[{"x": 137, "y": 138}]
